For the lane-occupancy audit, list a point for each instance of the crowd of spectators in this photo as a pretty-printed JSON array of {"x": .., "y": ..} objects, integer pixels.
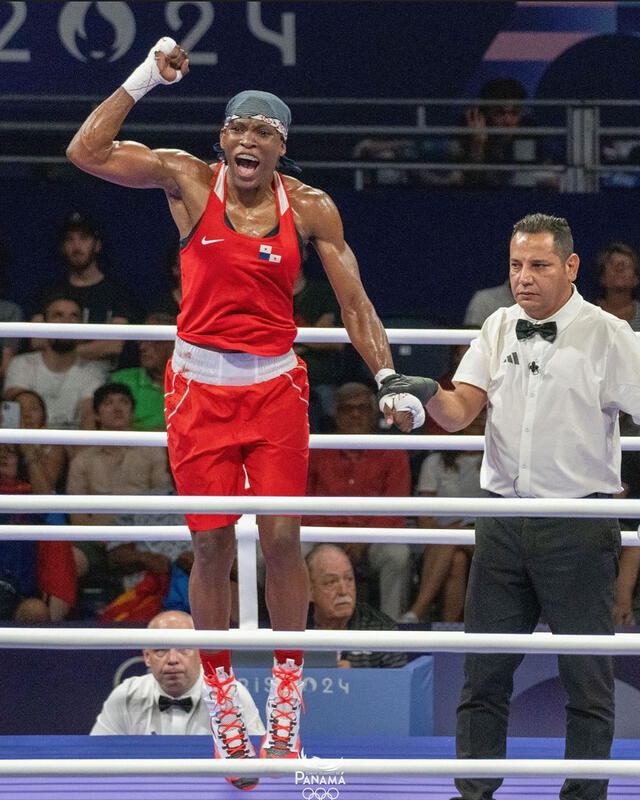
[{"x": 112, "y": 386}]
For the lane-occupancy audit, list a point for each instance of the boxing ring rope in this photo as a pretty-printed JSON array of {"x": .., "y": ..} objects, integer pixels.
[
  {"x": 327, "y": 506},
  {"x": 68, "y": 330},
  {"x": 246, "y": 529},
  {"x": 619, "y": 644},
  {"x": 248, "y": 636},
  {"x": 308, "y": 533},
  {"x": 317, "y": 441},
  {"x": 444, "y": 767}
]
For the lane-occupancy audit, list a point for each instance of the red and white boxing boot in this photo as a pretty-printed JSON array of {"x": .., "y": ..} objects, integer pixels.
[
  {"x": 282, "y": 739},
  {"x": 226, "y": 719}
]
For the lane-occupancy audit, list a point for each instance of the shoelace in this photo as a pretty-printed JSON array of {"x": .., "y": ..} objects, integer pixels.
[
  {"x": 223, "y": 697},
  {"x": 288, "y": 694}
]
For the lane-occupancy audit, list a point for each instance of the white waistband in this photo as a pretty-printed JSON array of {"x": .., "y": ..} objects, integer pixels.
[{"x": 226, "y": 368}]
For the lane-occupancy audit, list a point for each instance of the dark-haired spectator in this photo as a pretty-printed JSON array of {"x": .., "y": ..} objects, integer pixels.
[
  {"x": 618, "y": 267},
  {"x": 111, "y": 469},
  {"x": 511, "y": 147},
  {"x": 333, "y": 606},
  {"x": 53, "y": 458},
  {"x": 147, "y": 381},
  {"x": 57, "y": 372},
  {"x": 101, "y": 298}
]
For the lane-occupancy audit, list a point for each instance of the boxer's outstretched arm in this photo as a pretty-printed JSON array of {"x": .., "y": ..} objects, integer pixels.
[
  {"x": 94, "y": 148},
  {"x": 358, "y": 314}
]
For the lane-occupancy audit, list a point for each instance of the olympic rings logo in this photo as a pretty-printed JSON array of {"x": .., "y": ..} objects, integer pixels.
[{"x": 320, "y": 793}]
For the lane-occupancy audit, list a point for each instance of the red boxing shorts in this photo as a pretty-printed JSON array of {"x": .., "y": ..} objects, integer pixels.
[{"x": 215, "y": 433}]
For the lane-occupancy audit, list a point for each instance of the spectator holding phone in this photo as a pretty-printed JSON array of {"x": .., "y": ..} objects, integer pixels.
[{"x": 480, "y": 146}]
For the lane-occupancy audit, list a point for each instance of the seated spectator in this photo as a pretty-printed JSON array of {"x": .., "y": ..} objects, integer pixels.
[
  {"x": 485, "y": 301},
  {"x": 445, "y": 567},
  {"x": 333, "y": 606},
  {"x": 65, "y": 381},
  {"x": 111, "y": 469},
  {"x": 481, "y": 147},
  {"x": 371, "y": 473},
  {"x": 37, "y": 579},
  {"x": 101, "y": 298},
  {"x": 147, "y": 381},
  {"x": 54, "y": 458},
  {"x": 149, "y": 567},
  {"x": 171, "y": 699},
  {"x": 315, "y": 306},
  {"x": 618, "y": 267}
]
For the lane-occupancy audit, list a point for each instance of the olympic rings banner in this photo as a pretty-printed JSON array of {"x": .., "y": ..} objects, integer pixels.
[
  {"x": 401, "y": 49},
  {"x": 294, "y": 48}
]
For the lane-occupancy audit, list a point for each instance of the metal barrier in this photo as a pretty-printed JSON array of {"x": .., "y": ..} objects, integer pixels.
[{"x": 587, "y": 130}]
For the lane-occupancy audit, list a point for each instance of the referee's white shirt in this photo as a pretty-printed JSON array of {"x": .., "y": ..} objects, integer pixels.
[
  {"x": 132, "y": 709},
  {"x": 552, "y": 422}
]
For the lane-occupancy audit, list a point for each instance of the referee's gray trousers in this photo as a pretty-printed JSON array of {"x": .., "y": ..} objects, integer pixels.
[{"x": 559, "y": 571}]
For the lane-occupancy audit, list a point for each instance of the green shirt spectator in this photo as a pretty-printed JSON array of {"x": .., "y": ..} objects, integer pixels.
[
  {"x": 147, "y": 381},
  {"x": 149, "y": 397}
]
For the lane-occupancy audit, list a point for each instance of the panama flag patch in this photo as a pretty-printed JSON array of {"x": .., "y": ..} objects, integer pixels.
[{"x": 265, "y": 254}]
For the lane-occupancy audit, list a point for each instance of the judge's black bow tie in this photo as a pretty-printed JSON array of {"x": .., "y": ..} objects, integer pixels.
[
  {"x": 166, "y": 702},
  {"x": 526, "y": 329}
]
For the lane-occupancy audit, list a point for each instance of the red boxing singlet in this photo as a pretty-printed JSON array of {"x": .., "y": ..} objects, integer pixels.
[{"x": 238, "y": 289}]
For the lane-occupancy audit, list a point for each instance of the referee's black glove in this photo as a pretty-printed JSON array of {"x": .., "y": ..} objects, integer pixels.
[{"x": 422, "y": 388}]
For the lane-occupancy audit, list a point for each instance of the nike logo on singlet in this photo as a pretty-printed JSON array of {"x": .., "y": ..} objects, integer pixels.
[{"x": 204, "y": 240}]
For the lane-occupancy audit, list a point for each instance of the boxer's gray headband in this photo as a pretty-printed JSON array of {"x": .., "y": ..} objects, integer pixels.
[{"x": 253, "y": 104}]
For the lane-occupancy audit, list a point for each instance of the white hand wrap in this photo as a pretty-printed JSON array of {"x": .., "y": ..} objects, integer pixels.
[
  {"x": 147, "y": 75},
  {"x": 405, "y": 402}
]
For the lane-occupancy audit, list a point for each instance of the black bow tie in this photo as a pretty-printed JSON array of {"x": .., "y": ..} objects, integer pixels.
[
  {"x": 526, "y": 329},
  {"x": 166, "y": 702}
]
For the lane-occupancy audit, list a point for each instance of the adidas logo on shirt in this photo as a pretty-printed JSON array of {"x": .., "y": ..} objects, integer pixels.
[{"x": 512, "y": 358}]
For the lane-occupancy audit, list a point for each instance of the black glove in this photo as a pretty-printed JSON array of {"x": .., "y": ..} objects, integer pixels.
[{"x": 422, "y": 388}]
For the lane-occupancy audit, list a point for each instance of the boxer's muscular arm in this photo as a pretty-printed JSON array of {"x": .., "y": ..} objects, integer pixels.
[
  {"x": 321, "y": 224},
  {"x": 95, "y": 150}
]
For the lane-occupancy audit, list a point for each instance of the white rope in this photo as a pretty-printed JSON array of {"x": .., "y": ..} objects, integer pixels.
[
  {"x": 317, "y": 441},
  {"x": 62, "y": 638},
  {"x": 441, "y": 767},
  {"x": 327, "y": 506},
  {"x": 308, "y": 533},
  {"x": 65, "y": 330}
]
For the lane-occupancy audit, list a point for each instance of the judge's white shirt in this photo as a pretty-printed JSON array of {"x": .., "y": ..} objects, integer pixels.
[
  {"x": 552, "y": 414},
  {"x": 132, "y": 709}
]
